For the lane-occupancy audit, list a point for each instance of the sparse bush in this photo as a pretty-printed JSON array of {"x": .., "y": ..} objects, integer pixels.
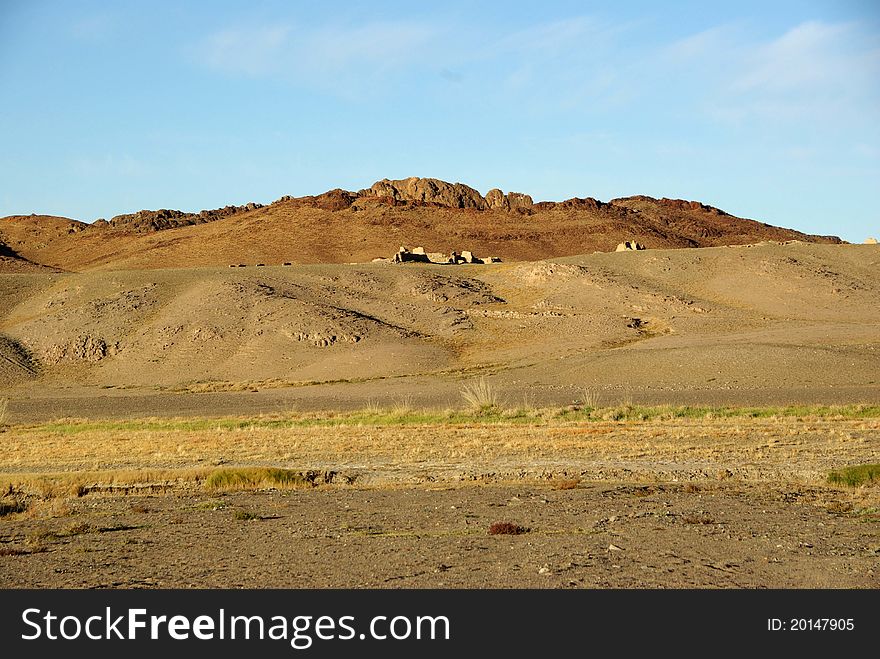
[
  {"x": 568, "y": 484},
  {"x": 590, "y": 398},
  {"x": 11, "y": 506},
  {"x": 507, "y": 528},
  {"x": 246, "y": 515},
  {"x": 49, "y": 508},
  {"x": 80, "y": 528},
  {"x": 372, "y": 407},
  {"x": 37, "y": 540},
  {"x": 249, "y": 478},
  {"x": 480, "y": 396},
  {"x": 213, "y": 504},
  {"x": 402, "y": 407},
  {"x": 856, "y": 475}
]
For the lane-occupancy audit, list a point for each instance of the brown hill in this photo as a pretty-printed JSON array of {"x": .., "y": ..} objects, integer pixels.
[
  {"x": 778, "y": 322},
  {"x": 340, "y": 226}
]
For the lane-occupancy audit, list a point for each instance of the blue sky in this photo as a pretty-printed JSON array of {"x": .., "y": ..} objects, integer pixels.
[{"x": 769, "y": 110}]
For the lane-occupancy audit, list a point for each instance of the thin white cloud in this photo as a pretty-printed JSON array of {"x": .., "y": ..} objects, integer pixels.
[
  {"x": 325, "y": 56},
  {"x": 356, "y": 59},
  {"x": 252, "y": 51},
  {"x": 93, "y": 28},
  {"x": 815, "y": 70},
  {"x": 809, "y": 54},
  {"x": 548, "y": 40},
  {"x": 382, "y": 45}
]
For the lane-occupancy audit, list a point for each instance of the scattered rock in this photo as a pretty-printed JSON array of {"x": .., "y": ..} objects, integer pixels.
[
  {"x": 419, "y": 255},
  {"x": 629, "y": 246}
]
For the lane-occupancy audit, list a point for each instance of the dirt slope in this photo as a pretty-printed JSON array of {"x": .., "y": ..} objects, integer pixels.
[
  {"x": 343, "y": 227},
  {"x": 795, "y": 317}
]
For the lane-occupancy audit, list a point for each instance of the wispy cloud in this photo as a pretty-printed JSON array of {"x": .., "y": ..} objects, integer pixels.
[
  {"x": 93, "y": 28},
  {"x": 334, "y": 57},
  {"x": 254, "y": 51},
  {"x": 806, "y": 55},
  {"x": 373, "y": 57},
  {"x": 813, "y": 70}
]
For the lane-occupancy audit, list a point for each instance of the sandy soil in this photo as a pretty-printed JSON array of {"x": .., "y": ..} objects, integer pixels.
[
  {"x": 598, "y": 535},
  {"x": 664, "y": 503},
  {"x": 762, "y": 324},
  {"x": 732, "y": 502}
]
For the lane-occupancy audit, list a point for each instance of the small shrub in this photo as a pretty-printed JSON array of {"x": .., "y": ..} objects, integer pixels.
[
  {"x": 839, "y": 507},
  {"x": 480, "y": 396},
  {"x": 568, "y": 484},
  {"x": 11, "y": 506},
  {"x": 249, "y": 478},
  {"x": 868, "y": 474},
  {"x": 37, "y": 540},
  {"x": 402, "y": 407},
  {"x": 372, "y": 408},
  {"x": 590, "y": 398},
  {"x": 246, "y": 515},
  {"x": 507, "y": 528},
  {"x": 49, "y": 509},
  {"x": 79, "y": 529}
]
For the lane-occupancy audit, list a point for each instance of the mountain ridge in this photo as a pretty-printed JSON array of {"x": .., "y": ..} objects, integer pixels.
[{"x": 345, "y": 226}]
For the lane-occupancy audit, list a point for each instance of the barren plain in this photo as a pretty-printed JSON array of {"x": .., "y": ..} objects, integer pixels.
[{"x": 659, "y": 418}]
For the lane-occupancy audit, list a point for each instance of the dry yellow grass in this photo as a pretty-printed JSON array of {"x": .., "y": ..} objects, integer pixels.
[{"x": 68, "y": 460}]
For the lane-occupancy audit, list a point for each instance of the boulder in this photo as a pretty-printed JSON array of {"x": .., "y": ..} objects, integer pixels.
[
  {"x": 517, "y": 200},
  {"x": 629, "y": 246},
  {"x": 404, "y": 255},
  {"x": 495, "y": 198}
]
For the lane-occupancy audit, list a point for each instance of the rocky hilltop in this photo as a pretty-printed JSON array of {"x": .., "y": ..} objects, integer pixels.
[
  {"x": 341, "y": 226},
  {"x": 441, "y": 193}
]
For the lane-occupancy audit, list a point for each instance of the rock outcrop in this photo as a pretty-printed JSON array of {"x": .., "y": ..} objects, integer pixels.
[
  {"x": 427, "y": 191},
  {"x": 495, "y": 198},
  {"x": 453, "y": 195},
  {"x": 674, "y": 204},
  {"x": 147, "y": 221},
  {"x": 419, "y": 255}
]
